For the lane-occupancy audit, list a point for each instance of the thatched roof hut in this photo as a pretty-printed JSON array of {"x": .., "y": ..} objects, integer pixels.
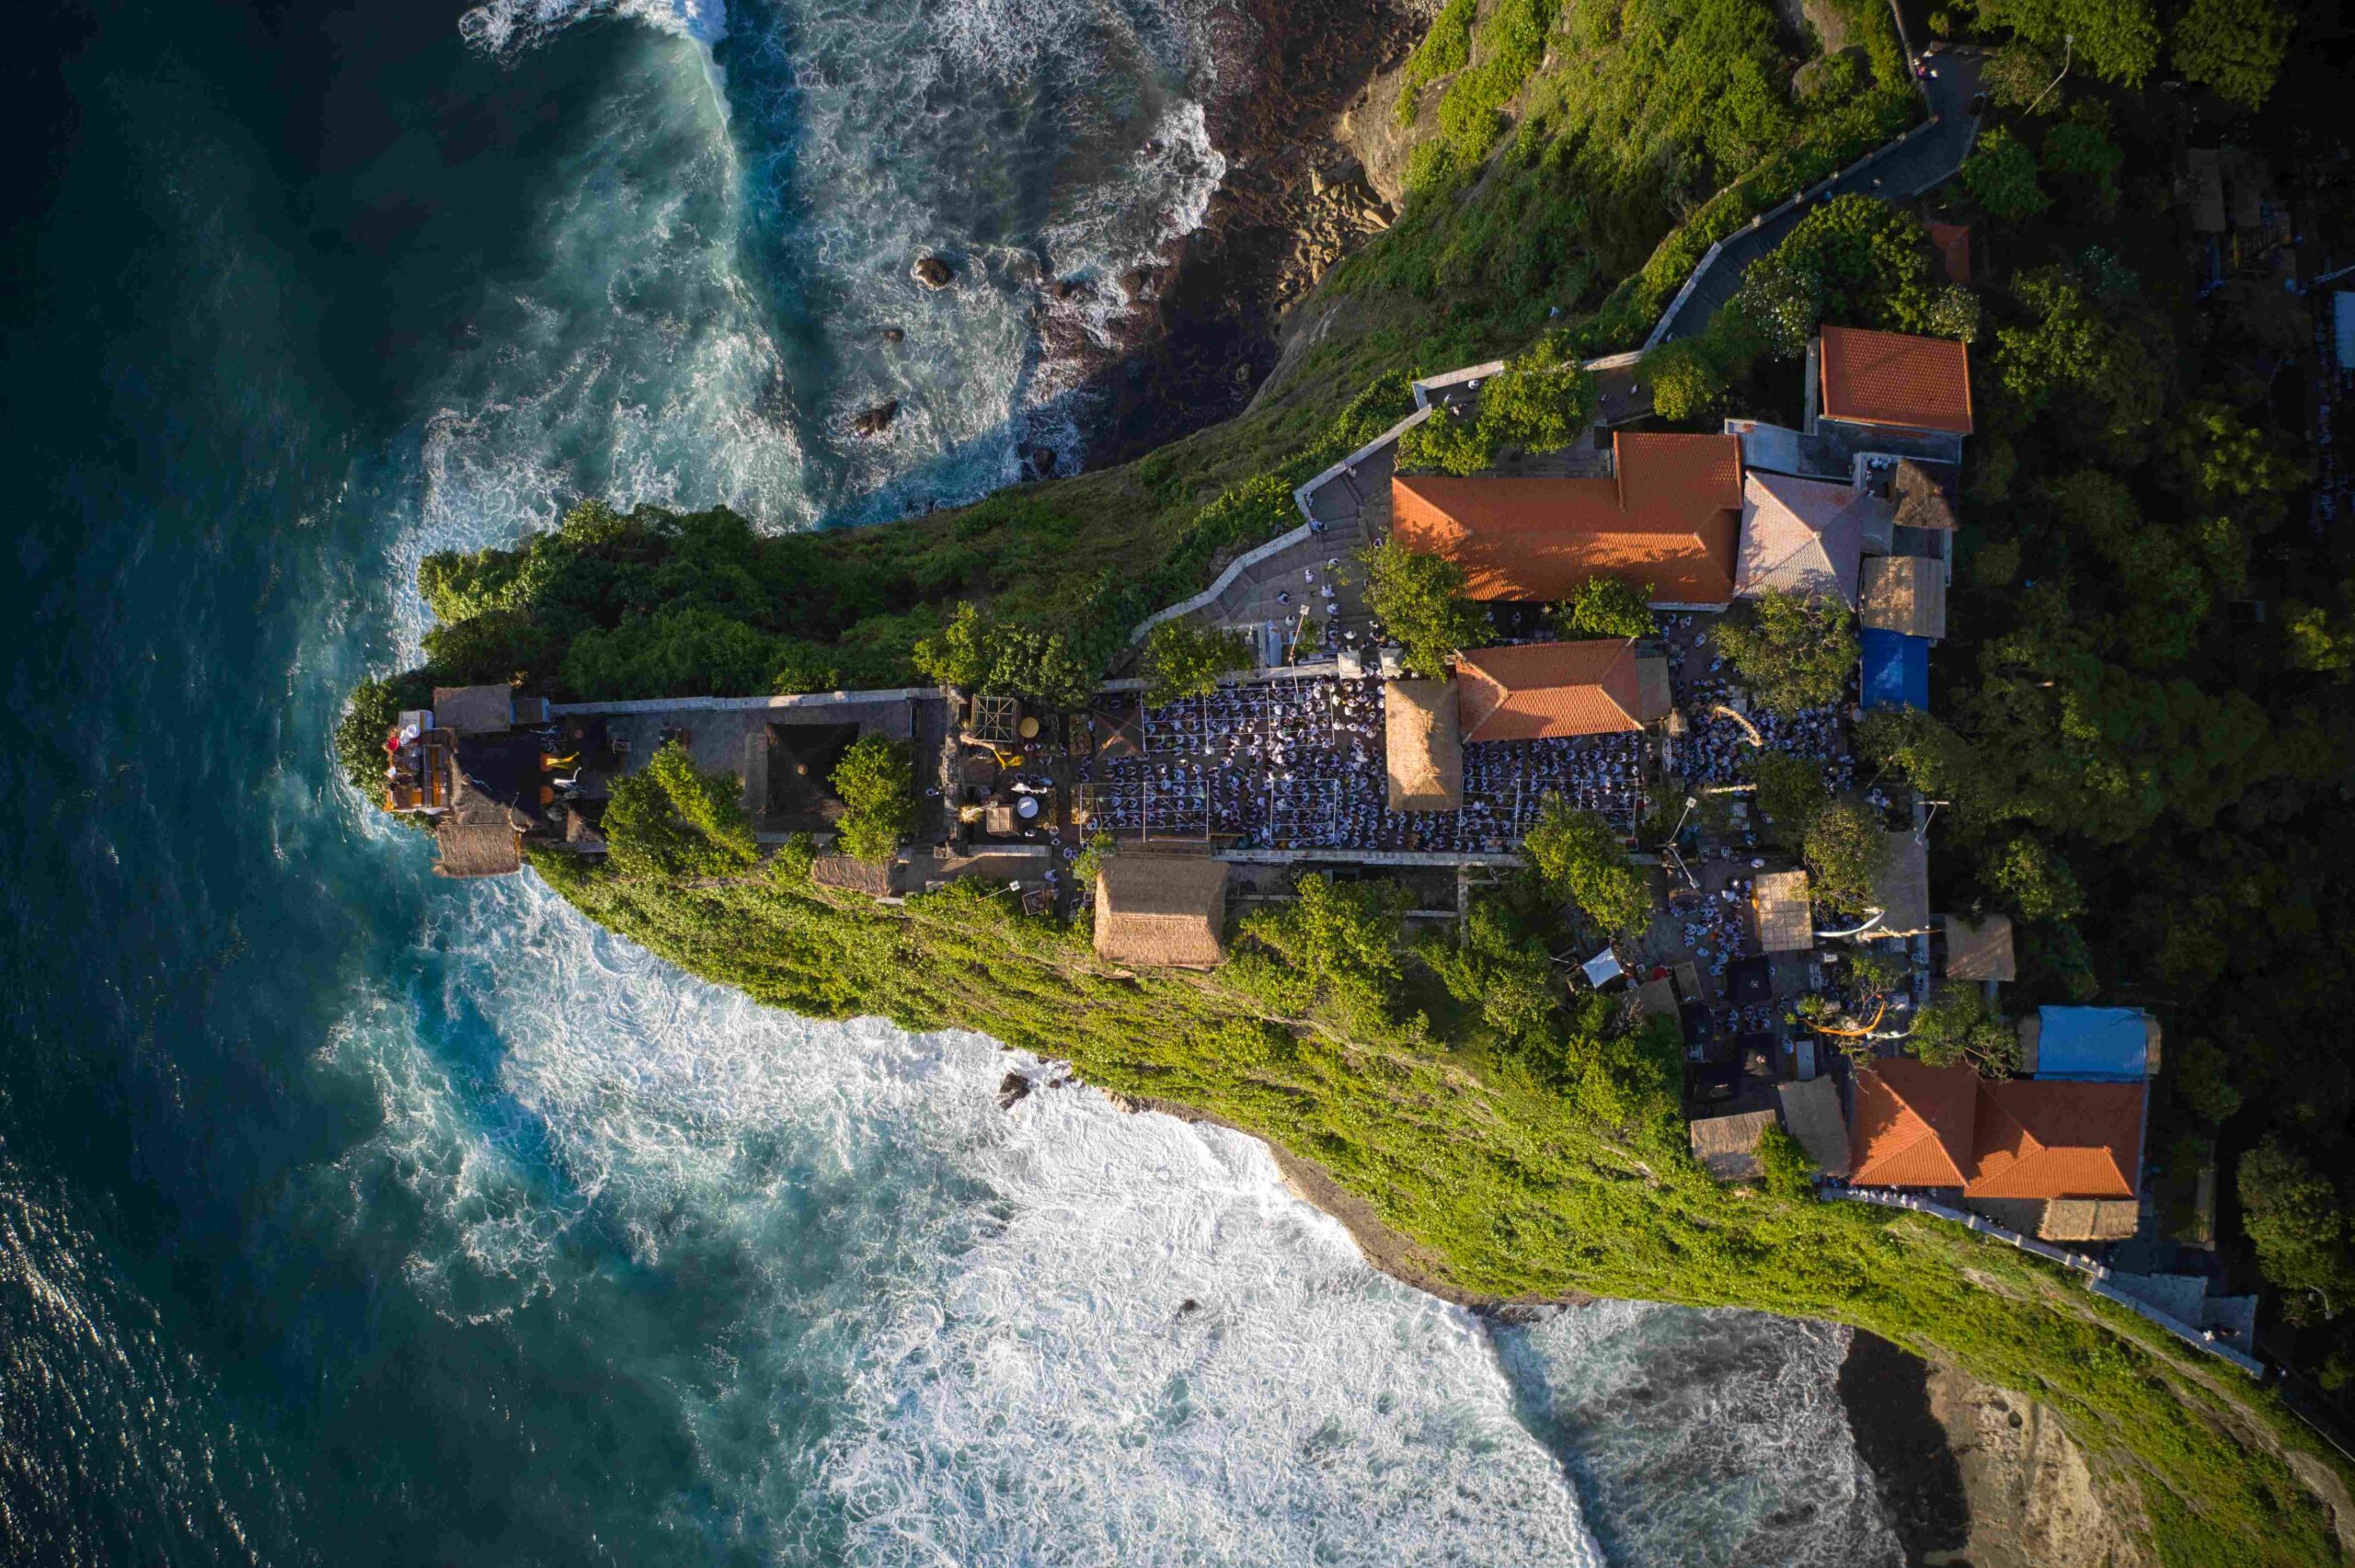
[
  {"x": 1906, "y": 593},
  {"x": 1921, "y": 497},
  {"x": 1902, "y": 889},
  {"x": 1728, "y": 1146},
  {"x": 1161, "y": 911},
  {"x": 1424, "y": 745},
  {"x": 477, "y": 849},
  {"x": 1811, "y": 1110},
  {"x": 1778, "y": 900},
  {"x": 1981, "y": 952},
  {"x": 474, "y": 710}
]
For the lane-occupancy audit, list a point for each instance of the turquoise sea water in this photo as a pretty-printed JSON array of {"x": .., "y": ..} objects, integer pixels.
[{"x": 348, "y": 1217}]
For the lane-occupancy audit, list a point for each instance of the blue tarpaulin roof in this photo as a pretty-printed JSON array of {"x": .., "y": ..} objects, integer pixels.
[
  {"x": 1897, "y": 670},
  {"x": 2101, "y": 1045}
]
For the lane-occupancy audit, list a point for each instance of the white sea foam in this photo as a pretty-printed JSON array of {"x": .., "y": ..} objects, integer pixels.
[{"x": 501, "y": 26}]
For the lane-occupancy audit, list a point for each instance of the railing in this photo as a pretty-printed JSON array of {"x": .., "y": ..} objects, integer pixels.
[{"x": 746, "y": 704}]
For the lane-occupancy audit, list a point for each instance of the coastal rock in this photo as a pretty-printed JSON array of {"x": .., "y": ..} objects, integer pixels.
[
  {"x": 878, "y": 419},
  {"x": 895, "y": 335},
  {"x": 933, "y": 272},
  {"x": 1012, "y": 1090},
  {"x": 1071, "y": 288}
]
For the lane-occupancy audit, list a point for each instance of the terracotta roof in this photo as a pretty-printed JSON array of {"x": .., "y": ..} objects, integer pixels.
[
  {"x": 1161, "y": 909},
  {"x": 1423, "y": 746},
  {"x": 1801, "y": 536},
  {"x": 1945, "y": 1127},
  {"x": 1541, "y": 690},
  {"x": 2057, "y": 1140},
  {"x": 1728, "y": 1146},
  {"x": 1981, "y": 952},
  {"x": 1668, "y": 523},
  {"x": 1914, "y": 1124},
  {"x": 1952, "y": 242},
  {"x": 1906, "y": 593},
  {"x": 1778, "y": 900},
  {"x": 1892, "y": 378}
]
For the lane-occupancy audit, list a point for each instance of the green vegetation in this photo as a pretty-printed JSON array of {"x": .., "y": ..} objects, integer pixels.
[
  {"x": 876, "y": 781},
  {"x": 2001, "y": 174},
  {"x": 1419, "y": 600},
  {"x": 1791, "y": 795},
  {"x": 1578, "y": 855},
  {"x": 670, "y": 820},
  {"x": 1845, "y": 850},
  {"x": 1956, "y": 1027},
  {"x": 1792, "y": 650},
  {"x": 2234, "y": 46},
  {"x": 1445, "y": 50},
  {"x": 1182, "y": 660},
  {"x": 1539, "y": 402},
  {"x": 2298, "y": 1220},
  {"x": 1606, "y": 607}
]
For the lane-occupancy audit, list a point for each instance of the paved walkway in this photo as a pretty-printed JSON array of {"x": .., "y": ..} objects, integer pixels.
[{"x": 1903, "y": 168}]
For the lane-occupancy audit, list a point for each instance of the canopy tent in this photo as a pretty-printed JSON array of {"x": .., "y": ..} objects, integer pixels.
[{"x": 1897, "y": 668}]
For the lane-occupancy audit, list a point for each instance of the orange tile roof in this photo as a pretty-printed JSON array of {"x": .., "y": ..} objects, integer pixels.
[
  {"x": 1890, "y": 378},
  {"x": 1945, "y": 1127},
  {"x": 1541, "y": 690},
  {"x": 1912, "y": 1125},
  {"x": 1668, "y": 520},
  {"x": 1952, "y": 242}
]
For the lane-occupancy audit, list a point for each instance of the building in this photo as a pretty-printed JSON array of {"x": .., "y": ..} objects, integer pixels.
[
  {"x": 1981, "y": 951},
  {"x": 1539, "y": 690},
  {"x": 1778, "y": 902},
  {"x": 2090, "y": 1045},
  {"x": 484, "y": 781},
  {"x": 1811, "y": 1112},
  {"x": 1906, "y": 594},
  {"x": 1804, "y": 536},
  {"x": 1894, "y": 381},
  {"x": 1952, "y": 242},
  {"x": 1902, "y": 891},
  {"x": 1666, "y": 523},
  {"x": 1896, "y": 669},
  {"x": 1161, "y": 911},
  {"x": 2036, "y": 1153},
  {"x": 1423, "y": 746},
  {"x": 1726, "y": 1147}
]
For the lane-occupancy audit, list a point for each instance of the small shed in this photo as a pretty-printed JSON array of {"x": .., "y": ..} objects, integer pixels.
[
  {"x": 474, "y": 710},
  {"x": 1778, "y": 902},
  {"x": 1726, "y": 1147},
  {"x": 1811, "y": 1111},
  {"x": 1982, "y": 951},
  {"x": 477, "y": 849},
  {"x": 1423, "y": 746},
  {"x": 1906, "y": 593},
  {"x": 1161, "y": 911},
  {"x": 1897, "y": 668},
  {"x": 1902, "y": 890}
]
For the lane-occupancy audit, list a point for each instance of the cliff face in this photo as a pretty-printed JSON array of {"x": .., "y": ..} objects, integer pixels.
[{"x": 2034, "y": 1501}]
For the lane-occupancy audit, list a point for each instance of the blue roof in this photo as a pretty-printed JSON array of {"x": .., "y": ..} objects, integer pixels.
[
  {"x": 2099, "y": 1045},
  {"x": 1897, "y": 670}
]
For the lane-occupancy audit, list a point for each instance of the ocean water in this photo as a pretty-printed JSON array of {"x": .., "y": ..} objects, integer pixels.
[{"x": 348, "y": 1217}]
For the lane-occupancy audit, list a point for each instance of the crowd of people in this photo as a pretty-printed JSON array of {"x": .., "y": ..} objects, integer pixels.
[
  {"x": 1716, "y": 749},
  {"x": 1300, "y": 763}
]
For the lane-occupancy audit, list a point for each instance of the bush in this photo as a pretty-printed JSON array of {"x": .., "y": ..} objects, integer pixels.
[
  {"x": 1419, "y": 600},
  {"x": 1182, "y": 660},
  {"x": 1450, "y": 441},
  {"x": 875, "y": 780},
  {"x": 1340, "y": 939},
  {"x": 1445, "y": 50},
  {"x": 671, "y": 820},
  {"x": 368, "y": 718},
  {"x": 1541, "y": 400},
  {"x": 791, "y": 863},
  {"x": 1788, "y": 1171}
]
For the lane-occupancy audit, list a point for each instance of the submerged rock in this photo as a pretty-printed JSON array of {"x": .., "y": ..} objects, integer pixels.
[
  {"x": 878, "y": 419},
  {"x": 895, "y": 335},
  {"x": 933, "y": 272}
]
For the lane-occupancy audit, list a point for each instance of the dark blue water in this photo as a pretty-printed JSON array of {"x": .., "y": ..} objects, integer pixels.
[{"x": 348, "y": 1217}]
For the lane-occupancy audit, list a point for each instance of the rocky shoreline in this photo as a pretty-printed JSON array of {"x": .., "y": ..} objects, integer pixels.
[{"x": 1195, "y": 329}]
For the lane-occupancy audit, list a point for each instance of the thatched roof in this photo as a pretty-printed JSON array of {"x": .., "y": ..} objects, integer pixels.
[
  {"x": 1922, "y": 497},
  {"x": 1906, "y": 593},
  {"x": 1656, "y": 999},
  {"x": 474, "y": 710},
  {"x": 1654, "y": 696},
  {"x": 1425, "y": 747},
  {"x": 1779, "y": 901},
  {"x": 1902, "y": 889},
  {"x": 1161, "y": 911},
  {"x": 1811, "y": 1110},
  {"x": 1728, "y": 1146},
  {"x": 1981, "y": 952},
  {"x": 485, "y": 849},
  {"x": 872, "y": 878},
  {"x": 2089, "y": 1220}
]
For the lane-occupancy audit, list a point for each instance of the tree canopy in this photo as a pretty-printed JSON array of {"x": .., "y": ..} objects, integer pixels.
[
  {"x": 1183, "y": 660},
  {"x": 1579, "y": 856},
  {"x": 1419, "y": 601},
  {"x": 1845, "y": 851},
  {"x": 876, "y": 781},
  {"x": 2234, "y": 46},
  {"x": 1793, "y": 651},
  {"x": 671, "y": 819},
  {"x": 1606, "y": 607}
]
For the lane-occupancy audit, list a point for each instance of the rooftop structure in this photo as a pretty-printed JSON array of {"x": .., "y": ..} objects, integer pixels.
[
  {"x": 1801, "y": 536},
  {"x": 2092, "y": 1045},
  {"x": 1922, "y": 495},
  {"x": 1161, "y": 911},
  {"x": 1952, "y": 242},
  {"x": 1779, "y": 901},
  {"x": 1728, "y": 1146},
  {"x": 1906, "y": 594},
  {"x": 1423, "y": 746},
  {"x": 1981, "y": 951},
  {"x": 474, "y": 710},
  {"x": 1947, "y": 1128},
  {"x": 1666, "y": 523},
  {"x": 476, "y": 849},
  {"x": 1538, "y": 691},
  {"x": 1896, "y": 669},
  {"x": 1901, "y": 892},
  {"x": 872, "y": 878},
  {"x": 1895, "y": 380},
  {"x": 1811, "y": 1112}
]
